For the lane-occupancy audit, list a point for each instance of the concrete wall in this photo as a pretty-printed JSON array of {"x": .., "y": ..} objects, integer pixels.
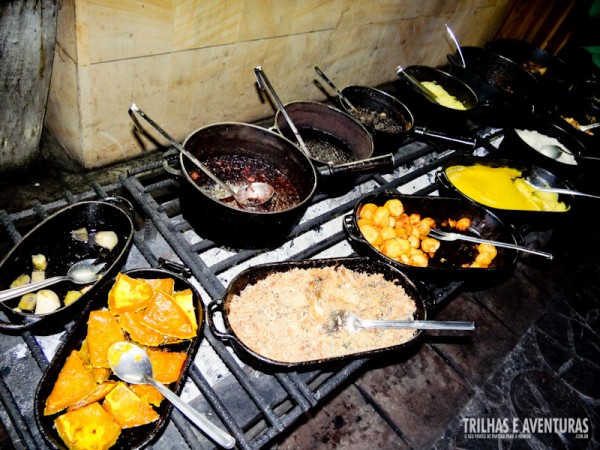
[{"x": 189, "y": 63}]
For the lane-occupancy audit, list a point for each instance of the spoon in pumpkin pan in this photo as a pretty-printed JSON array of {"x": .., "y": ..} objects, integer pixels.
[{"x": 132, "y": 365}]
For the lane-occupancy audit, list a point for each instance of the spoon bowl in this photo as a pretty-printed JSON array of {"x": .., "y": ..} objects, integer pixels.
[
  {"x": 253, "y": 194},
  {"x": 82, "y": 272},
  {"x": 345, "y": 320},
  {"x": 131, "y": 364}
]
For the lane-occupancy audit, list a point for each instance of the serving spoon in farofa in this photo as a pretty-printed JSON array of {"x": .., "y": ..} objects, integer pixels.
[{"x": 344, "y": 319}]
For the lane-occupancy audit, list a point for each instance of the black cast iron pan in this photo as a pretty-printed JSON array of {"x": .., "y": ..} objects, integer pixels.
[
  {"x": 336, "y": 130},
  {"x": 416, "y": 290},
  {"x": 52, "y": 238},
  {"x": 448, "y": 260},
  {"x": 375, "y": 100},
  {"x": 544, "y": 219},
  {"x": 132, "y": 438},
  {"x": 501, "y": 85}
]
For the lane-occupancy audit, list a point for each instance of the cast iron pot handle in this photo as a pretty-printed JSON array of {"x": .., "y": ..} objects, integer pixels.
[
  {"x": 212, "y": 308},
  {"x": 443, "y": 181},
  {"x": 28, "y": 322},
  {"x": 377, "y": 163},
  {"x": 122, "y": 203},
  {"x": 172, "y": 266},
  {"x": 470, "y": 143},
  {"x": 351, "y": 229},
  {"x": 171, "y": 157}
]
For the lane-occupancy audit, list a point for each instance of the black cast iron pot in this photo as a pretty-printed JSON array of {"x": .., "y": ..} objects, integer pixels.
[
  {"x": 227, "y": 223},
  {"x": 415, "y": 289},
  {"x": 52, "y": 238},
  {"x": 501, "y": 85},
  {"x": 552, "y": 72}
]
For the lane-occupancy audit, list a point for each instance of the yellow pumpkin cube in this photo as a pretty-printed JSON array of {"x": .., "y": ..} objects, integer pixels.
[
  {"x": 88, "y": 428},
  {"x": 73, "y": 384},
  {"x": 129, "y": 294},
  {"x": 127, "y": 408}
]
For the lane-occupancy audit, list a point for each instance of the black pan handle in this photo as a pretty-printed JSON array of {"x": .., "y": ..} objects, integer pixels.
[
  {"x": 214, "y": 307},
  {"x": 29, "y": 321},
  {"x": 174, "y": 267},
  {"x": 443, "y": 181},
  {"x": 351, "y": 229},
  {"x": 375, "y": 164},
  {"x": 470, "y": 143},
  {"x": 122, "y": 203},
  {"x": 170, "y": 159}
]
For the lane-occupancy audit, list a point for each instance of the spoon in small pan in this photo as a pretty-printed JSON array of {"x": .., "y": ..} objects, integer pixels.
[
  {"x": 589, "y": 127},
  {"x": 344, "y": 319},
  {"x": 263, "y": 82},
  {"x": 554, "y": 152},
  {"x": 253, "y": 194},
  {"x": 415, "y": 83},
  {"x": 132, "y": 365},
  {"x": 82, "y": 272},
  {"x": 559, "y": 190},
  {"x": 341, "y": 96}
]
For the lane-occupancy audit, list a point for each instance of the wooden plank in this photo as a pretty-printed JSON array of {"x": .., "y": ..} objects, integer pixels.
[{"x": 27, "y": 40}]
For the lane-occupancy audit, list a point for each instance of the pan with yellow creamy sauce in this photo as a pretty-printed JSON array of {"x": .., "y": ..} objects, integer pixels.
[{"x": 503, "y": 188}]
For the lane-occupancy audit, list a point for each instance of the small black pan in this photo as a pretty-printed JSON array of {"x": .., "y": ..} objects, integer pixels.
[
  {"x": 500, "y": 84},
  {"x": 136, "y": 437},
  {"x": 345, "y": 133},
  {"x": 416, "y": 290},
  {"x": 543, "y": 219},
  {"x": 428, "y": 111},
  {"x": 371, "y": 99},
  {"x": 52, "y": 238}
]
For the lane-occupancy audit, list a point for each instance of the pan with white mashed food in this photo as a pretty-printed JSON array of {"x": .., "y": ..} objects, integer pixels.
[{"x": 281, "y": 313}]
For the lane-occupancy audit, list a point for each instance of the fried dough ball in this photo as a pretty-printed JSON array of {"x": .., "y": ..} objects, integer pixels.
[
  {"x": 430, "y": 245},
  {"x": 367, "y": 210}
]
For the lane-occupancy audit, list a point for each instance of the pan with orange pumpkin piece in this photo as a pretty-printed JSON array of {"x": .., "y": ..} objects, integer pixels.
[{"x": 80, "y": 403}]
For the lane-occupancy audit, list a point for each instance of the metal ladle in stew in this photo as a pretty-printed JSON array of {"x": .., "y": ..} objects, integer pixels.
[{"x": 253, "y": 194}]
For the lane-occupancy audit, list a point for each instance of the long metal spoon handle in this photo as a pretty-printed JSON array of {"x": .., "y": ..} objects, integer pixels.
[
  {"x": 505, "y": 245},
  {"x": 593, "y": 158},
  {"x": 263, "y": 82},
  {"x": 31, "y": 287},
  {"x": 453, "y": 37},
  {"x": 221, "y": 437},
  {"x": 418, "y": 324},
  {"x": 134, "y": 108},
  {"x": 334, "y": 87},
  {"x": 567, "y": 192}
]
